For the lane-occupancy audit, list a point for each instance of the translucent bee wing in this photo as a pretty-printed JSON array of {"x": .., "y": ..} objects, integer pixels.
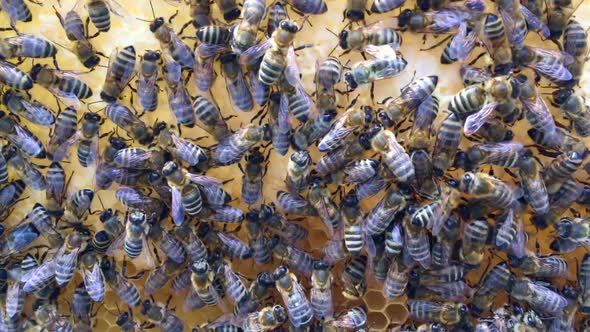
[
  {"x": 381, "y": 51},
  {"x": 444, "y": 20},
  {"x": 204, "y": 180},
  {"x": 539, "y": 110},
  {"x": 534, "y": 23},
  {"x": 336, "y": 135},
  {"x": 94, "y": 283},
  {"x": 324, "y": 213},
  {"x": 237, "y": 89},
  {"x": 177, "y": 209},
  {"x": 117, "y": 8},
  {"x": 38, "y": 113},
  {"x": 146, "y": 85},
  {"x": 13, "y": 294},
  {"x": 552, "y": 63},
  {"x": 250, "y": 56},
  {"x": 388, "y": 22},
  {"x": 515, "y": 37},
  {"x": 463, "y": 42},
  {"x": 68, "y": 98},
  {"x": 116, "y": 245},
  {"x": 282, "y": 129},
  {"x": 474, "y": 74},
  {"x": 292, "y": 73},
  {"x": 179, "y": 47},
  {"x": 476, "y": 120},
  {"x": 204, "y": 74},
  {"x": 518, "y": 247}
]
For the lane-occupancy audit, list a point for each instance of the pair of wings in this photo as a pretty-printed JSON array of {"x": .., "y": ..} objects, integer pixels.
[{"x": 205, "y": 182}]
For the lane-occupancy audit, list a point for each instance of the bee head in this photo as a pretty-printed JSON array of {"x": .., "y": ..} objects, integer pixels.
[
  {"x": 355, "y": 15},
  {"x": 106, "y": 215},
  {"x": 564, "y": 228},
  {"x": 7, "y": 96},
  {"x": 88, "y": 193},
  {"x": 231, "y": 15},
  {"x": 200, "y": 266},
  {"x": 280, "y": 272},
  {"x": 265, "y": 279},
  {"x": 274, "y": 241},
  {"x": 560, "y": 96},
  {"x": 350, "y": 81},
  {"x": 117, "y": 143},
  {"x": 266, "y": 211},
  {"x": 107, "y": 98},
  {"x": 343, "y": 39},
  {"x": 300, "y": 158},
  {"x": 101, "y": 236},
  {"x": 350, "y": 199},
  {"x": 123, "y": 319},
  {"x": 91, "y": 62},
  {"x": 503, "y": 69},
  {"x": 147, "y": 305},
  {"x": 289, "y": 26},
  {"x": 228, "y": 57},
  {"x": 279, "y": 313},
  {"x": 321, "y": 265},
  {"x": 152, "y": 56},
  {"x": 92, "y": 117},
  {"x": 159, "y": 127},
  {"x": 384, "y": 119},
  {"x": 169, "y": 168},
  {"x": 156, "y": 24},
  {"x": 404, "y": 18}
]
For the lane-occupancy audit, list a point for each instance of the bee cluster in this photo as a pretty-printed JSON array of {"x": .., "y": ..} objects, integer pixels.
[{"x": 432, "y": 210}]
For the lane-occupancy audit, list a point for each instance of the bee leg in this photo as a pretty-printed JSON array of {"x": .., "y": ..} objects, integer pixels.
[
  {"x": 477, "y": 58},
  {"x": 372, "y": 91},
  {"x": 437, "y": 44},
  {"x": 184, "y": 26},
  {"x": 173, "y": 17}
]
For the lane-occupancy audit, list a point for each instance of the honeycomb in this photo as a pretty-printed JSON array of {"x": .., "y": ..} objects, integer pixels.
[{"x": 130, "y": 30}]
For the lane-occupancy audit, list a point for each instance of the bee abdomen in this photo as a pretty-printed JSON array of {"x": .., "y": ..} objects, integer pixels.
[{"x": 100, "y": 16}]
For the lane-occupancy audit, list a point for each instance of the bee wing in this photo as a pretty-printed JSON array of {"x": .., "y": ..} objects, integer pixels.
[
  {"x": 282, "y": 126},
  {"x": 324, "y": 213},
  {"x": 238, "y": 89},
  {"x": 295, "y": 201},
  {"x": 292, "y": 73},
  {"x": 127, "y": 74},
  {"x": 206, "y": 50},
  {"x": 61, "y": 152},
  {"x": 38, "y": 113},
  {"x": 177, "y": 209},
  {"x": 117, "y": 8},
  {"x": 540, "y": 110},
  {"x": 116, "y": 245},
  {"x": 381, "y": 51},
  {"x": 204, "y": 180},
  {"x": 13, "y": 294},
  {"x": 204, "y": 74},
  {"x": 146, "y": 85},
  {"x": 476, "y": 120},
  {"x": 552, "y": 64},
  {"x": 463, "y": 43},
  {"x": 37, "y": 276},
  {"x": 444, "y": 20},
  {"x": 336, "y": 135},
  {"x": 534, "y": 23},
  {"x": 93, "y": 279},
  {"x": 509, "y": 20},
  {"x": 518, "y": 247},
  {"x": 178, "y": 46},
  {"x": 388, "y": 22},
  {"x": 250, "y": 56}
]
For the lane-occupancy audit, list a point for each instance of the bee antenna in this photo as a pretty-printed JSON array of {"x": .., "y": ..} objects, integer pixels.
[
  {"x": 152, "y": 7},
  {"x": 100, "y": 200},
  {"x": 95, "y": 102},
  {"x": 332, "y": 32},
  {"x": 143, "y": 20}
]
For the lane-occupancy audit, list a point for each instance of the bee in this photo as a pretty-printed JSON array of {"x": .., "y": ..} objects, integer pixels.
[
  {"x": 434, "y": 214},
  {"x": 563, "y": 167},
  {"x": 279, "y": 122},
  {"x": 199, "y": 12},
  {"x": 376, "y": 34},
  {"x": 514, "y": 21},
  {"x": 19, "y": 238},
  {"x": 120, "y": 71},
  {"x": 352, "y": 120},
  {"x": 126, "y": 120},
  {"x": 328, "y": 74},
  {"x": 319, "y": 197},
  {"x": 535, "y": 110},
  {"x": 94, "y": 281},
  {"x": 420, "y": 136},
  {"x": 171, "y": 43},
  {"x": 493, "y": 35},
  {"x": 446, "y": 313},
  {"x": 395, "y": 282},
  {"x": 488, "y": 189},
  {"x": 10, "y": 195},
  {"x": 386, "y": 65},
  {"x": 65, "y": 127},
  {"x": 258, "y": 241},
  {"x": 539, "y": 297},
  {"x": 28, "y": 171},
  {"x": 231, "y": 149},
  {"x": 169, "y": 245},
  {"x": 17, "y": 10},
  {"x": 313, "y": 129},
  {"x": 126, "y": 323},
  {"x": 540, "y": 267},
  {"x": 201, "y": 279},
  {"x": 253, "y": 174},
  {"x": 354, "y": 237},
  {"x": 46, "y": 315},
  {"x": 572, "y": 230},
  {"x": 294, "y": 257},
  {"x": 244, "y": 35},
  {"x": 393, "y": 156},
  {"x": 320, "y": 295},
  {"x": 474, "y": 240},
  {"x": 298, "y": 171},
  {"x": 337, "y": 159},
  {"x": 506, "y": 155},
  {"x": 64, "y": 86},
  {"x": 78, "y": 35},
  {"x": 266, "y": 319},
  {"x": 418, "y": 245},
  {"x": 446, "y": 145},
  {"x": 180, "y": 148},
  {"x": 558, "y": 13},
  {"x": 124, "y": 289},
  {"x": 236, "y": 83},
  {"x": 574, "y": 108},
  {"x": 193, "y": 245},
  {"x": 88, "y": 144},
  {"x": 147, "y": 90},
  {"x": 383, "y": 6},
  {"x": 298, "y": 307},
  {"x": 99, "y": 12},
  {"x": 160, "y": 276},
  {"x": 178, "y": 98},
  {"x": 14, "y": 78},
  {"x": 360, "y": 171},
  {"x": 575, "y": 44},
  {"x": 234, "y": 247},
  {"x": 354, "y": 283},
  {"x": 210, "y": 119},
  {"x": 415, "y": 94},
  {"x": 66, "y": 262},
  {"x": 135, "y": 229},
  {"x": 214, "y": 35},
  {"x": 558, "y": 139},
  {"x": 382, "y": 214},
  {"x": 31, "y": 110},
  {"x": 56, "y": 189},
  {"x": 315, "y": 7},
  {"x": 583, "y": 280},
  {"x": 268, "y": 216},
  {"x": 27, "y": 46},
  {"x": 276, "y": 13},
  {"x": 549, "y": 64},
  {"x": 507, "y": 232},
  {"x": 355, "y": 10},
  {"x": 234, "y": 287},
  {"x": 162, "y": 317}
]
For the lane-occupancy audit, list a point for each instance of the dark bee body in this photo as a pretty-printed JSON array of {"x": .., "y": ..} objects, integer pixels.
[
  {"x": 382, "y": 6},
  {"x": 28, "y": 171},
  {"x": 314, "y": 7},
  {"x": 353, "y": 217},
  {"x": 235, "y": 82},
  {"x": 169, "y": 245},
  {"x": 28, "y": 46},
  {"x": 199, "y": 12},
  {"x": 48, "y": 78},
  {"x": 214, "y": 34},
  {"x": 178, "y": 98},
  {"x": 298, "y": 171},
  {"x": 88, "y": 145},
  {"x": 258, "y": 240},
  {"x": 276, "y": 13},
  {"x": 252, "y": 179},
  {"x": 31, "y": 110},
  {"x": 121, "y": 69},
  {"x": 56, "y": 189},
  {"x": 66, "y": 263},
  {"x": 147, "y": 90},
  {"x": 17, "y": 10},
  {"x": 124, "y": 289},
  {"x": 171, "y": 43},
  {"x": 574, "y": 107},
  {"x": 210, "y": 118},
  {"x": 355, "y": 10},
  {"x": 13, "y": 77},
  {"x": 126, "y": 120},
  {"x": 353, "y": 278},
  {"x": 65, "y": 126},
  {"x": 495, "y": 36},
  {"x": 134, "y": 234},
  {"x": 371, "y": 70},
  {"x": 274, "y": 59},
  {"x": 229, "y": 8}
]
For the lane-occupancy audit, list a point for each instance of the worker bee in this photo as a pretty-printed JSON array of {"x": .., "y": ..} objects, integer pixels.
[
  {"x": 210, "y": 119},
  {"x": 376, "y": 34},
  {"x": 66, "y": 262},
  {"x": 575, "y": 44},
  {"x": 171, "y": 43},
  {"x": 167, "y": 243},
  {"x": 574, "y": 108},
  {"x": 17, "y": 10},
  {"x": 244, "y": 35},
  {"x": 214, "y": 35},
  {"x": 147, "y": 90},
  {"x": 162, "y": 317},
  {"x": 447, "y": 144},
  {"x": 409, "y": 100},
  {"x": 179, "y": 100},
  {"x": 13, "y": 77},
  {"x": 28, "y": 171},
  {"x": 422, "y": 132},
  {"x": 549, "y": 64},
  {"x": 202, "y": 282},
  {"x": 204, "y": 57},
  {"x": 354, "y": 283},
  {"x": 41, "y": 220},
  {"x": 501, "y": 154},
  {"x": 31, "y": 110},
  {"x": 231, "y": 149},
  {"x": 180, "y": 148},
  {"x": 254, "y": 172},
  {"x": 486, "y": 188},
  {"x": 383, "y": 212},
  {"x": 320, "y": 295},
  {"x": 236, "y": 83},
  {"x": 298, "y": 171},
  {"x": 27, "y": 46},
  {"x": 395, "y": 282},
  {"x": 538, "y": 296},
  {"x": 393, "y": 156},
  {"x": 124, "y": 289},
  {"x": 47, "y": 316},
  {"x": 298, "y": 307},
  {"x": 351, "y": 121},
  {"x": 267, "y": 318},
  {"x": 474, "y": 240},
  {"x": 445, "y": 313},
  {"x": 383, "y": 6},
  {"x": 10, "y": 195},
  {"x": 93, "y": 279},
  {"x": 386, "y": 65},
  {"x": 199, "y": 12},
  {"x": 160, "y": 276},
  {"x": 64, "y": 86},
  {"x": 319, "y": 197},
  {"x": 120, "y": 71},
  {"x": 295, "y": 258},
  {"x": 126, "y": 120},
  {"x": 77, "y": 34},
  {"x": 99, "y": 13}
]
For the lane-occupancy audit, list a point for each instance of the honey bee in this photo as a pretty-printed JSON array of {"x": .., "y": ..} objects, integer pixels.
[
  {"x": 66, "y": 261},
  {"x": 298, "y": 171},
  {"x": 77, "y": 34},
  {"x": 298, "y": 307},
  {"x": 147, "y": 90},
  {"x": 63, "y": 85},
  {"x": 31, "y": 110},
  {"x": 13, "y": 77},
  {"x": 202, "y": 281},
  {"x": 355, "y": 10},
  {"x": 162, "y": 317},
  {"x": 352, "y": 120},
  {"x": 383, "y": 212},
  {"x": 28, "y": 171},
  {"x": 236, "y": 83},
  {"x": 210, "y": 119},
  {"x": 486, "y": 188},
  {"x": 574, "y": 108},
  {"x": 99, "y": 12},
  {"x": 474, "y": 240},
  {"x": 295, "y": 258},
  {"x": 172, "y": 44},
  {"x": 376, "y": 34},
  {"x": 204, "y": 57},
  {"x": 445, "y": 313},
  {"x": 410, "y": 99},
  {"x": 575, "y": 44},
  {"x": 179, "y": 100},
  {"x": 277, "y": 12},
  {"x": 494, "y": 37},
  {"x": 17, "y": 10},
  {"x": 126, "y": 120},
  {"x": 27, "y": 46},
  {"x": 549, "y": 64},
  {"x": 252, "y": 180},
  {"x": 319, "y": 197},
  {"x": 231, "y": 149},
  {"x": 124, "y": 289},
  {"x": 386, "y": 65},
  {"x": 266, "y": 319},
  {"x": 537, "y": 296},
  {"x": 93, "y": 278},
  {"x": 383, "y": 6},
  {"x": 354, "y": 283},
  {"x": 433, "y": 215},
  {"x": 393, "y": 156},
  {"x": 244, "y": 35},
  {"x": 182, "y": 149},
  {"x": 422, "y": 132}
]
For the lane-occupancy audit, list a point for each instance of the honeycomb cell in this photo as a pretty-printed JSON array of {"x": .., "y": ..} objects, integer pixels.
[
  {"x": 397, "y": 313},
  {"x": 317, "y": 239},
  {"x": 377, "y": 321},
  {"x": 375, "y": 300}
]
